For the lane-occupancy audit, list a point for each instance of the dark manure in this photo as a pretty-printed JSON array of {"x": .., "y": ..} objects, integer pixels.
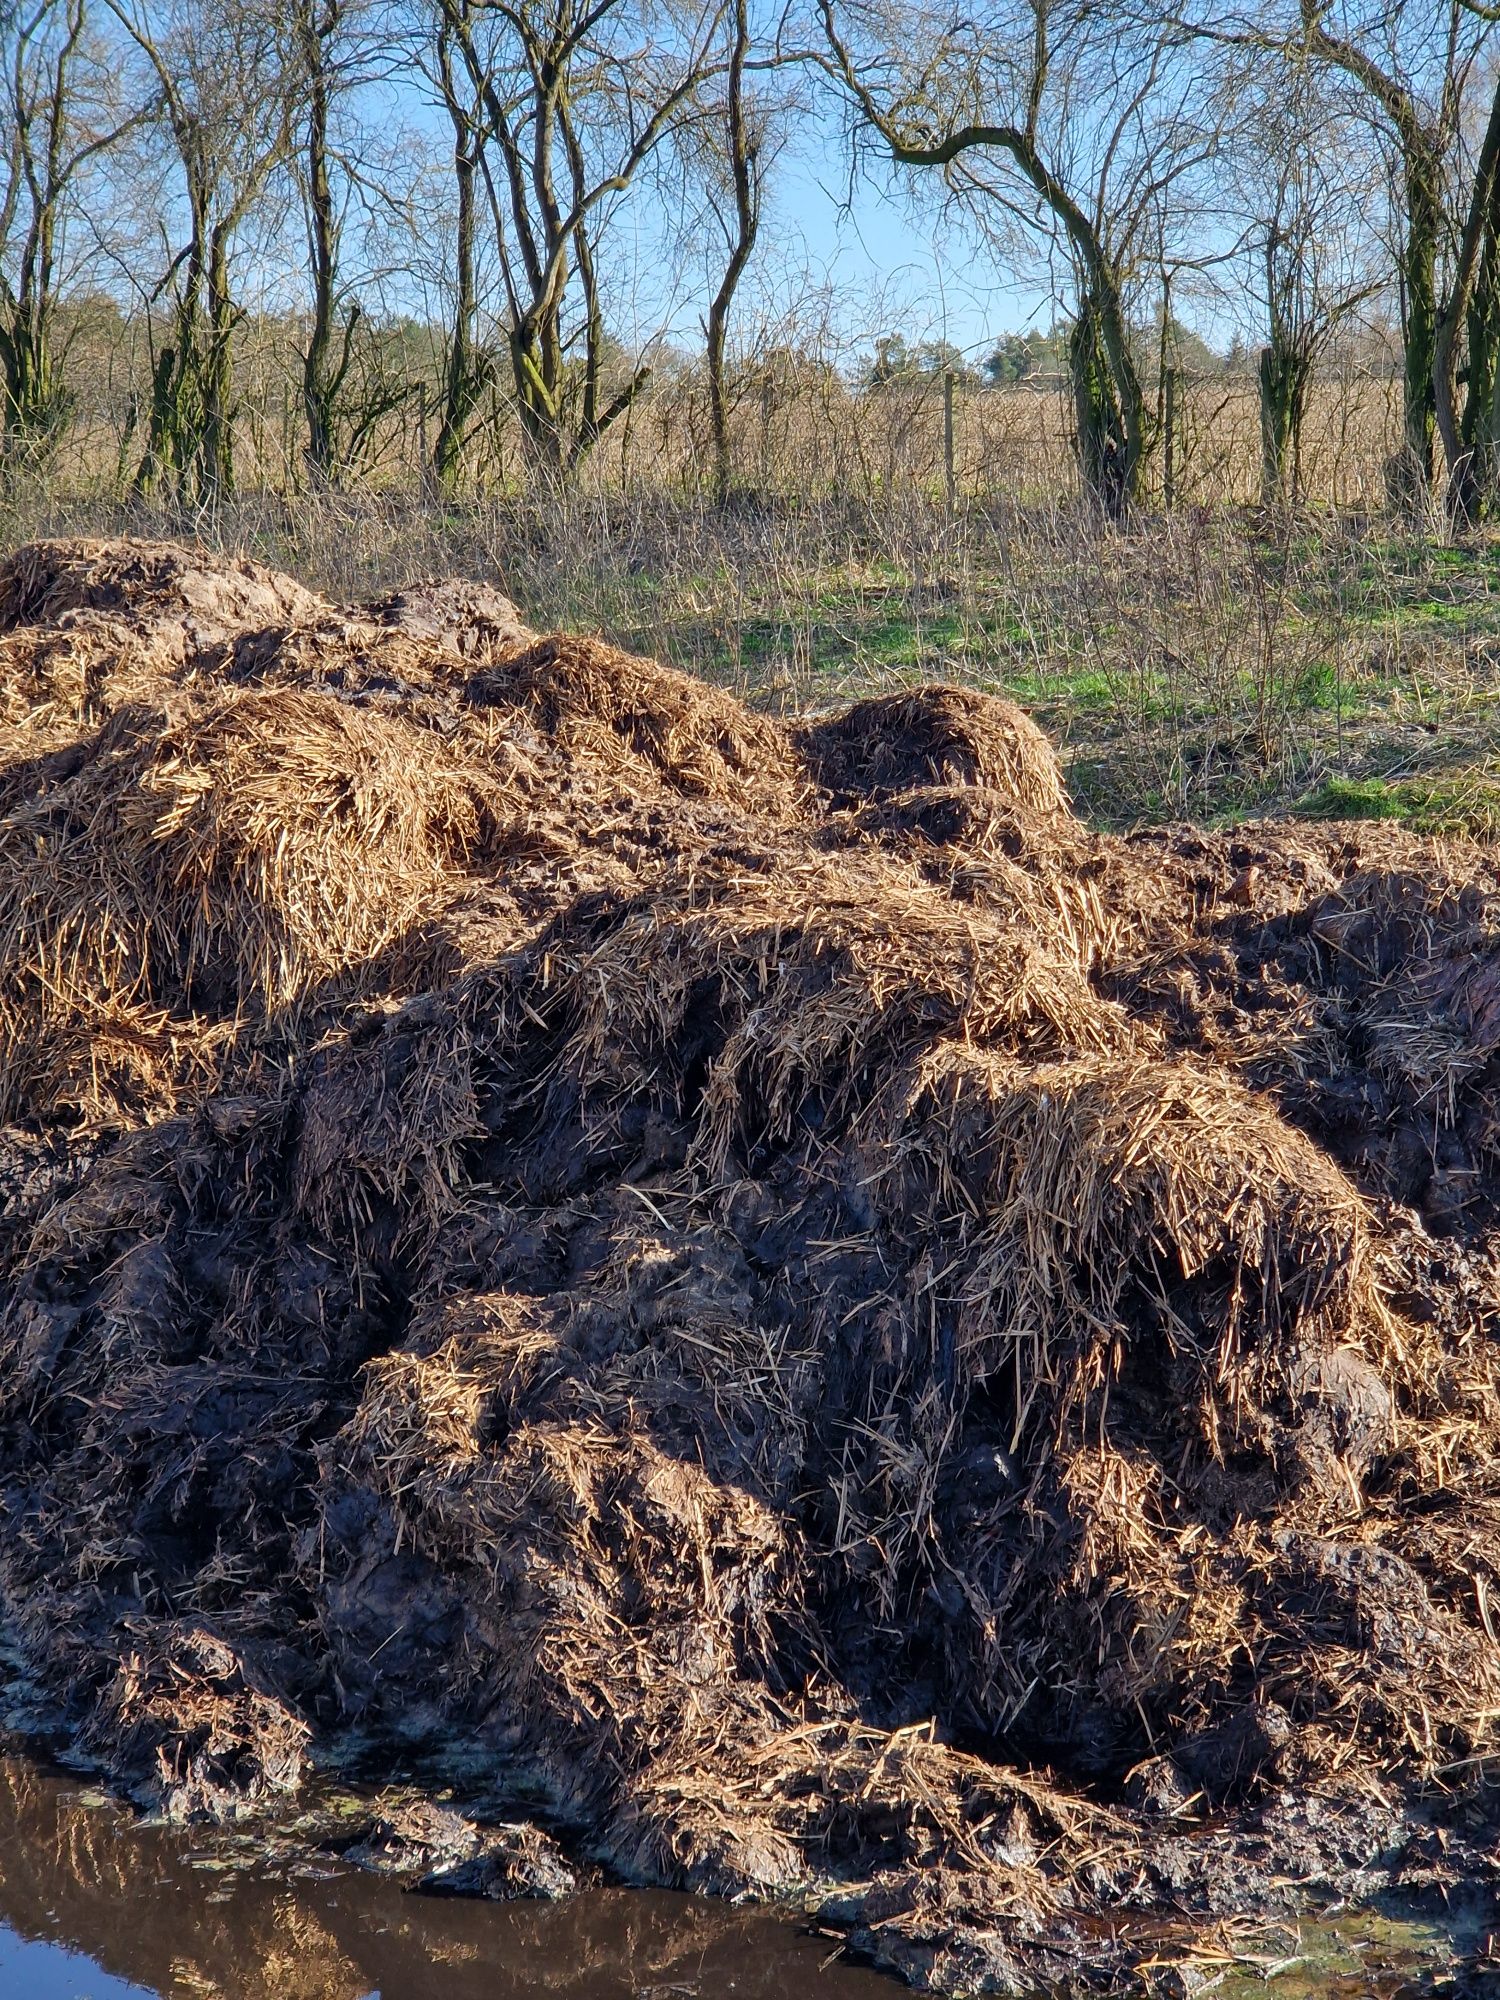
[{"x": 815, "y": 1324}]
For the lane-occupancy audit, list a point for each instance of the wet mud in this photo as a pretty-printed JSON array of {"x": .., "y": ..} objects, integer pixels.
[{"x": 95, "y": 1905}]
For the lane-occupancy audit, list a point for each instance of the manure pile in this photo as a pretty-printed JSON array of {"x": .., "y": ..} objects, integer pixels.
[{"x": 831, "y": 1330}]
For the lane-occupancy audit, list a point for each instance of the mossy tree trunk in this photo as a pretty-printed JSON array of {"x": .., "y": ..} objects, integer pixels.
[
  {"x": 1105, "y": 459},
  {"x": 189, "y": 450},
  {"x": 227, "y": 92},
  {"x": 1421, "y": 136},
  {"x": 1464, "y": 342},
  {"x": 323, "y": 371},
  {"x": 1286, "y": 364},
  {"x": 1481, "y": 415},
  {"x": 1285, "y": 374},
  {"x": 468, "y": 369},
  {"x": 1419, "y": 330}
]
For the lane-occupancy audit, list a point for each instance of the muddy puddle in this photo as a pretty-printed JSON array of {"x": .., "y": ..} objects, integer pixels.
[{"x": 97, "y": 1906}]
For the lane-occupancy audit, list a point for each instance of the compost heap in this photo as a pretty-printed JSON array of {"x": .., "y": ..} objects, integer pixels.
[{"x": 839, "y": 1334}]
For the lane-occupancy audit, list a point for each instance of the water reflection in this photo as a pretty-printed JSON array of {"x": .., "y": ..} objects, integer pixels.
[{"x": 96, "y": 1907}]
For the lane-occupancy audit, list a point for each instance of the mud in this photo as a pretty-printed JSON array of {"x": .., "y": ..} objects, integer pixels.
[{"x": 783, "y": 1316}]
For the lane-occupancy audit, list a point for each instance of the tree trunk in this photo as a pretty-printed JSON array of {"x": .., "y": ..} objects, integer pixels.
[
  {"x": 718, "y": 400},
  {"x": 1285, "y": 371},
  {"x": 1106, "y": 460},
  {"x": 216, "y": 446},
  {"x": 37, "y": 403},
  {"x": 742, "y": 164},
  {"x": 464, "y": 377},
  {"x": 1481, "y": 417},
  {"x": 535, "y": 365},
  {"x": 1469, "y": 311},
  {"x": 189, "y": 438},
  {"x": 319, "y": 387},
  {"x": 1413, "y": 469},
  {"x": 175, "y": 424}
]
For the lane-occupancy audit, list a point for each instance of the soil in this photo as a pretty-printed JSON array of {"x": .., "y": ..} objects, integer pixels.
[{"x": 815, "y": 1328}]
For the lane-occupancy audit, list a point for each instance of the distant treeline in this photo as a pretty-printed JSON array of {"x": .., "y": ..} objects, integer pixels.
[{"x": 329, "y": 242}]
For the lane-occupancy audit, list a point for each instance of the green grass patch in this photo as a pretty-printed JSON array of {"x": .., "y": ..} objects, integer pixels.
[
  {"x": 1466, "y": 803},
  {"x": 1082, "y": 689}
]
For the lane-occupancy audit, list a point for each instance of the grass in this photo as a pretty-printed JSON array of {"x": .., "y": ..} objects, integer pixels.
[
  {"x": 1467, "y": 803},
  {"x": 1209, "y": 665}
]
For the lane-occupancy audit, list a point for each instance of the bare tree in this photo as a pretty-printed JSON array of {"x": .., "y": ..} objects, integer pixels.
[
  {"x": 744, "y": 166},
  {"x": 1070, "y": 123},
  {"x": 225, "y": 75},
  {"x": 469, "y": 365},
  {"x": 1302, "y": 187},
  {"x": 347, "y": 384},
  {"x": 62, "y": 112},
  {"x": 571, "y": 101},
  {"x": 1410, "y": 63},
  {"x": 335, "y": 47}
]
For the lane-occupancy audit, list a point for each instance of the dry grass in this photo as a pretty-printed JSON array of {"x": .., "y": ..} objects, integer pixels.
[
  {"x": 1204, "y": 663},
  {"x": 800, "y": 427}
]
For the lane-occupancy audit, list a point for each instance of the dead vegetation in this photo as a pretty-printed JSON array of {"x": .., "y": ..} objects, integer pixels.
[{"x": 829, "y": 1325}]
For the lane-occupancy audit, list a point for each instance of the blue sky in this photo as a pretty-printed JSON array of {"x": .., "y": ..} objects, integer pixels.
[
  {"x": 866, "y": 234},
  {"x": 878, "y": 249},
  {"x": 872, "y": 243}
]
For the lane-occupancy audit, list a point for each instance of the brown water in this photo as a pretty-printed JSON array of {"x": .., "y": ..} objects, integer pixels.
[{"x": 95, "y": 1906}]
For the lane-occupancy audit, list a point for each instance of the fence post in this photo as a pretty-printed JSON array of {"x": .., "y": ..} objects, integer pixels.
[
  {"x": 950, "y": 475},
  {"x": 1169, "y": 463}
]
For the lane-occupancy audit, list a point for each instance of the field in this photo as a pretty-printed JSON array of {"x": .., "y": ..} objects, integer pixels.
[
  {"x": 1205, "y": 664},
  {"x": 800, "y": 429}
]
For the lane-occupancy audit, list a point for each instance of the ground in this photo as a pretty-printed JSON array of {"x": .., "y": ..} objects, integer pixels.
[
  {"x": 820, "y": 1326},
  {"x": 1210, "y": 664}
]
